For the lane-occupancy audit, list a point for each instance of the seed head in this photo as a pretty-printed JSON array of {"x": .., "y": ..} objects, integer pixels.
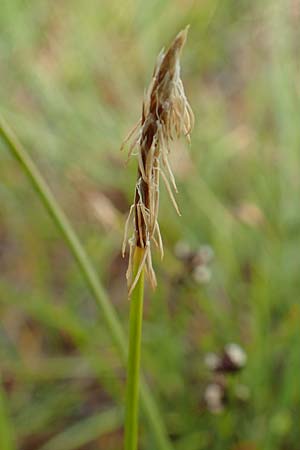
[{"x": 166, "y": 115}]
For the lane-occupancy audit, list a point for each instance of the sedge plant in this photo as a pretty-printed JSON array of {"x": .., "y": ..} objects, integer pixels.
[{"x": 166, "y": 115}]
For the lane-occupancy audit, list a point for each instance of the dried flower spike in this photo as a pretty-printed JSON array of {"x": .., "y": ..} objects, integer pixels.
[{"x": 166, "y": 115}]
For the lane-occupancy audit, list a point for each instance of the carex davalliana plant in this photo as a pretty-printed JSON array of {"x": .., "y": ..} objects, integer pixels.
[{"x": 166, "y": 115}]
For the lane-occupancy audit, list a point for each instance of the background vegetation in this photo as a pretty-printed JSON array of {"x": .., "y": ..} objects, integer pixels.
[{"x": 72, "y": 80}]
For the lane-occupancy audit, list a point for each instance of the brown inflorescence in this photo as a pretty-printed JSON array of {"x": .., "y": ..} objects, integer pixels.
[{"x": 166, "y": 115}]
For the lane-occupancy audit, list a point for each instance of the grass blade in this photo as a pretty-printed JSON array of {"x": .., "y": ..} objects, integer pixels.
[{"x": 85, "y": 431}]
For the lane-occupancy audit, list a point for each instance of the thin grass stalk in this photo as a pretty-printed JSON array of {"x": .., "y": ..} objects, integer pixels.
[
  {"x": 166, "y": 115},
  {"x": 134, "y": 356},
  {"x": 109, "y": 315}
]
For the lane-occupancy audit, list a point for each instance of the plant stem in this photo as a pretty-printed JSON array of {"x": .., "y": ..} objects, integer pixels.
[
  {"x": 109, "y": 314},
  {"x": 134, "y": 356}
]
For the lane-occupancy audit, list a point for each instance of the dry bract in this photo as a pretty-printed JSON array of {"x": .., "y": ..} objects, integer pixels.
[{"x": 166, "y": 115}]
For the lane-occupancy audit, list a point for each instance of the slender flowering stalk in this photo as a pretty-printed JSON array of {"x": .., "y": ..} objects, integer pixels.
[
  {"x": 134, "y": 356},
  {"x": 166, "y": 115}
]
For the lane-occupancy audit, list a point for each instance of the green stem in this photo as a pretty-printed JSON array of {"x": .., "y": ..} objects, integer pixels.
[
  {"x": 88, "y": 272},
  {"x": 134, "y": 357}
]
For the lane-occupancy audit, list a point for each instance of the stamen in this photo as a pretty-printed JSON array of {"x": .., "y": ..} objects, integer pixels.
[
  {"x": 129, "y": 135},
  {"x": 165, "y": 179},
  {"x": 126, "y": 230}
]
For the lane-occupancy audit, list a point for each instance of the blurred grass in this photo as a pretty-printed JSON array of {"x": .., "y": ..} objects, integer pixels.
[
  {"x": 72, "y": 80},
  {"x": 6, "y": 431}
]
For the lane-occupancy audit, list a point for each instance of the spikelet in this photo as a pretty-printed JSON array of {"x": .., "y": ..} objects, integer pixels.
[{"x": 166, "y": 115}]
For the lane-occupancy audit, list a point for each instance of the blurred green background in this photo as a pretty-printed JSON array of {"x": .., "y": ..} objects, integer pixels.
[{"x": 72, "y": 81}]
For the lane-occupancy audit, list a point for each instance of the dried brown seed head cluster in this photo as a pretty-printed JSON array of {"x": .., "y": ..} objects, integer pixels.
[{"x": 166, "y": 115}]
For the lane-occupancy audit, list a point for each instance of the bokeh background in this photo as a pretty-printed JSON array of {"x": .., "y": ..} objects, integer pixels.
[{"x": 221, "y": 332}]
